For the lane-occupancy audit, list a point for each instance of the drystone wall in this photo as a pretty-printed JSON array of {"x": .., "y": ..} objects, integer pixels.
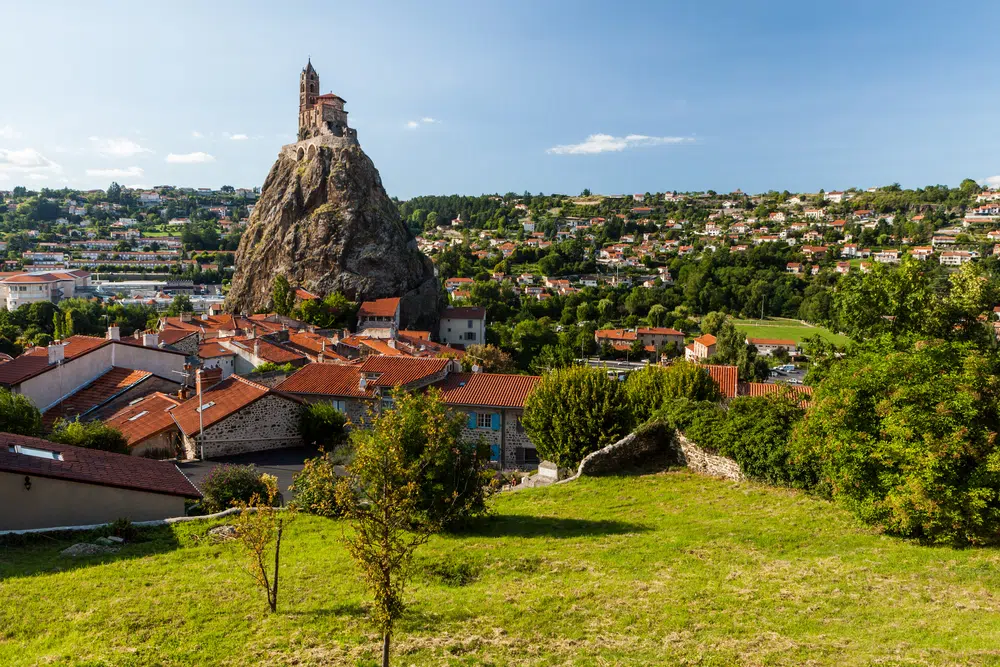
[
  {"x": 700, "y": 461},
  {"x": 634, "y": 449}
]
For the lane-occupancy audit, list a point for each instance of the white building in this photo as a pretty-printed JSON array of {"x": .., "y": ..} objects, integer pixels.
[
  {"x": 463, "y": 326},
  {"x": 25, "y": 288}
]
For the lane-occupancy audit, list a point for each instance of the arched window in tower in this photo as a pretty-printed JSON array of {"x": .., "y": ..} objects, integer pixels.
[{"x": 312, "y": 87}]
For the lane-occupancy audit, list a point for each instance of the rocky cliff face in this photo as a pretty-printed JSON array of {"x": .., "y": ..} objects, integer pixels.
[{"x": 325, "y": 222}]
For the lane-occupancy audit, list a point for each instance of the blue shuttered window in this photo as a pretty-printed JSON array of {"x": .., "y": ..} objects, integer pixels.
[
  {"x": 472, "y": 420},
  {"x": 496, "y": 422}
]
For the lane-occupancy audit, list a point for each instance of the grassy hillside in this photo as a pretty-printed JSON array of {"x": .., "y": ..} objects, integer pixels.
[
  {"x": 659, "y": 569},
  {"x": 787, "y": 329}
]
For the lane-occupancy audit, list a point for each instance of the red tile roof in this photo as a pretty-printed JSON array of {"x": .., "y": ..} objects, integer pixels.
[
  {"x": 771, "y": 341},
  {"x": 227, "y": 397},
  {"x": 92, "y": 466},
  {"x": 487, "y": 389},
  {"x": 766, "y": 388},
  {"x": 402, "y": 371},
  {"x": 325, "y": 380},
  {"x": 95, "y": 394},
  {"x": 660, "y": 331},
  {"x": 211, "y": 350},
  {"x": 305, "y": 295},
  {"x": 379, "y": 308},
  {"x": 727, "y": 377},
  {"x": 268, "y": 351},
  {"x": 708, "y": 340},
  {"x": 614, "y": 334},
  {"x": 171, "y": 336},
  {"x": 145, "y": 418},
  {"x": 36, "y": 360}
]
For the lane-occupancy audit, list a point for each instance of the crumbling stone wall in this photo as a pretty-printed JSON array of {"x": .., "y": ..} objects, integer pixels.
[
  {"x": 637, "y": 448},
  {"x": 701, "y": 461}
]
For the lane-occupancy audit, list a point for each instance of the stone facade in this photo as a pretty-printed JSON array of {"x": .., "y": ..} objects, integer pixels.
[
  {"x": 271, "y": 422},
  {"x": 511, "y": 447},
  {"x": 700, "y": 461}
]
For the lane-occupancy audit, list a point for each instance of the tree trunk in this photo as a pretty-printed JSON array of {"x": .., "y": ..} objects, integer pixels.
[
  {"x": 277, "y": 553},
  {"x": 385, "y": 650}
]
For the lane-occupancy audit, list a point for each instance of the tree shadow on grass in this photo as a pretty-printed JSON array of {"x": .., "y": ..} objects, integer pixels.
[
  {"x": 516, "y": 525},
  {"x": 352, "y": 609},
  {"x": 32, "y": 554}
]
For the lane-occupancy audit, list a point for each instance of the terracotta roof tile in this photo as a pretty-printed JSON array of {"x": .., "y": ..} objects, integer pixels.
[
  {"x": 464, "y": 313},
  {"x": 212, "y": 350},
  {"x": 487, "y": 389},
  {"x": 225, "y": 398},
  {"x": 727, "y": 377},
  {"x": 36, "y": 360},
  {"x": 93, "y": 466},
  {"x": 379, "y": 308},
  {"x": 144, "y": 418},
  {"x": 325, "y": 380},
  {"x": 95, "y": 394},
  {"x": 402, "y": 371}
]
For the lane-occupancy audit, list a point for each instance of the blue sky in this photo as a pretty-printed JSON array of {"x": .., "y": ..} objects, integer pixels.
[{"x": 550, "y": 96}]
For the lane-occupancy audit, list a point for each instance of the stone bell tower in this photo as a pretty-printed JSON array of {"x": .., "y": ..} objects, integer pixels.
[{"x": 308, "y": 91}]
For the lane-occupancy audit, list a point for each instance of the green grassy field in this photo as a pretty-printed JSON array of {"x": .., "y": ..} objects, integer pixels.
[
  {"x": 785, "y": 329},
  {"x": 657, "y": 569}
]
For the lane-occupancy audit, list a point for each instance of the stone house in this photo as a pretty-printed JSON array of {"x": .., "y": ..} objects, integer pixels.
[
  {"x": 658, "y": 337},
  {"x": 237, "y": 416},
  {"x": 494, "y": 404},
  {"x": 379, "y": 314}
]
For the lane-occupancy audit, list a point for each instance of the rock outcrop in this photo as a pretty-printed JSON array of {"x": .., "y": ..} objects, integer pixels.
[{"x": 325, "y": 221}]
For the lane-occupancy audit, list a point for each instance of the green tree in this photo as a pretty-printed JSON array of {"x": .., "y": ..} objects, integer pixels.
[
  {"x": 657, "y": 316},
  {"x": 18, "y": 414},
  {"x": 322, "y": 425},
  {"x": 92, "y": 435},
  {"x": 574, "y": 411},
  {"x": 756, "y": 433},
  {"x": 282, "y": 295},
  {"x": 181, "y": 303},
  {"x": 903, "y": 433},
  {"x": 712, "y": 322}
]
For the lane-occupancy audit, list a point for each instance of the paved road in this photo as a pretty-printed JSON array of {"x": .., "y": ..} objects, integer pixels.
[{"x": 282, "y": 463}]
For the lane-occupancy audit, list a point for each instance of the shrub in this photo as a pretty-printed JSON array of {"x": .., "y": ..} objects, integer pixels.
[
  {"x": 699, "y": 421},
  {"x": 574, "y": 411},
  {"x": 648, "y": 389},
  {"x": 322, "y": 425},
  {"x": 756, "y": 434},
  {"x": 227, "y": 485},
  {"x": 315, "y": 487},
  {"x": 92, "y": 435},
  {"x": 18, "y": 414},
  {"x": 905, "y": 437}
]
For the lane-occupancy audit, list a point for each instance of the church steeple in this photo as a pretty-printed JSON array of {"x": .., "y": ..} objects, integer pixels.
[{"x": 308, "y": 90}]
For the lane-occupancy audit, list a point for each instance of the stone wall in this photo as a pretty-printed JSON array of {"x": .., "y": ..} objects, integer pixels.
[
  {"x": 269, "y": 423},
  {"x": 700, "y": 461},
  {"x": 642, "y": 446},
  {"x": 516, "y": 438}
]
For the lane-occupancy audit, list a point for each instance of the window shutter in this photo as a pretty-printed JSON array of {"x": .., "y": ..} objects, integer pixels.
[
  {"x": 496, "y": 422},
  {"x": 472, "y": 420},
  {"x": 494, "y": 452}
]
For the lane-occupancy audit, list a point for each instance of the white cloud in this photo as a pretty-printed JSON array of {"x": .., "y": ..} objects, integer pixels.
[
  {"x": 196, "y": 134},
  {"x": 8, "y": 132},
  {"x": 27, "y": 161},
  {"x": 190, "y": 158},
  {"x": 605, "y": 143},
  {"x": 128, "y": 172},
  {"x": 426, "y": 120},
  {"x": 992, "y": 181},
  {"x": 112, "y": 147},
  {"x": 239, "y": 137},
  {"x": 38, "y": 177}
]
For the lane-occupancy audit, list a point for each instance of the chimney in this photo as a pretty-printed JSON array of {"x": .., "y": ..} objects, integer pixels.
[
  {"x": 56, "y": 352},
  {"x": 206, "y": 378},
  {"x": 186, "y": 317},
  {"x": 150, "y": 340},
  {"x": 322, "y": 351},
  {"x": 362, "y": 383},
  {"x": 183, "y": 393},
  {"x": 114, "y": 333},
  {"x": 256, "y": 348}
]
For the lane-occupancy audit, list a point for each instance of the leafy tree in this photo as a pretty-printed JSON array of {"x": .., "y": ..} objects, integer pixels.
[
  {"x": 756, "y": 432},
  {"x": 18, "y": 414},
  {"x": 410, "y": 452},
  {"x": 733, "y": 348},
  {"x": 229, "y": 485},
  {"x": 92, "y": 435},
  {"x": 315, "y": 487},
  {"x": 322, "y": 425},
  {"x": 181, "y": 303},
  {"x": 282, "y": 295},
  {"x": 574, "y": 411},
  {"x": 489, "y": 358},
  {"x": 712, "y": 322},
  {"x": 903, "y": 433},
  {"x": 657, "y": 316},
  {"x": 258, "y": 526}
]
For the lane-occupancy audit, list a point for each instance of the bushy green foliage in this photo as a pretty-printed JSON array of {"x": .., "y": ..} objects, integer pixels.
[
  {"x": 905, "y": 437},
  {"x": 315, "y": 487},
  {"x": 574, "y": 411},
  {"x": 93, "y": 435},
  {"x": 454, "y": 480},
  {"x": 648, "y": 389},
  {"x": 18, "y": 414},
  {"x": 699, "y": 421},
  {"x": 756, "y": 432},
  {"x": 322, "y": 425},
  {"x": 270, "y": 367},
  {"x": 229, "y": 484}
]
